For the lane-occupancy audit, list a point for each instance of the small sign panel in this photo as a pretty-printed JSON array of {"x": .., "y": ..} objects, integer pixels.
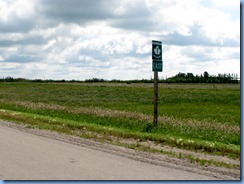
[
  {"x": 157, "y": 66},
  {"x": 156, "y": 50}
]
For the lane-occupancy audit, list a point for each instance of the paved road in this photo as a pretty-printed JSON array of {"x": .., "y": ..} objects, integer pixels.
[{"x": 25, "y": 156}]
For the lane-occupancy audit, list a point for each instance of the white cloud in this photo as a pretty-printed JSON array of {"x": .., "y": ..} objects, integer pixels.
[
  {"x": 112, "y": 39},
  {"x": 226, "y": 3},
  {"x": 16, "y": 16}
]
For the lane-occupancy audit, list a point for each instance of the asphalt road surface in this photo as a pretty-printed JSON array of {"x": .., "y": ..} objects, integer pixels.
[{"x": 24, "y": 156}]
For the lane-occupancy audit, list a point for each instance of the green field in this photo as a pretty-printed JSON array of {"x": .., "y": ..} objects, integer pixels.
[{"x": 191, "y": 116}]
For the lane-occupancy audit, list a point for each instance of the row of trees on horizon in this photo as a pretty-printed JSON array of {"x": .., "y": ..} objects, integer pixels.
[
  {"x": 203, "y": 78},
  {"x": 178, "y": 78}
]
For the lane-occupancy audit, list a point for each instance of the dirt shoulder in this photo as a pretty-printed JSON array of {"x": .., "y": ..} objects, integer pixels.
[{"x": 143, "y": 156}]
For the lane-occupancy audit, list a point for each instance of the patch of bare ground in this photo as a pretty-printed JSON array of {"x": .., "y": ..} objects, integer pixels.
[{"x": 220, "y": 173}]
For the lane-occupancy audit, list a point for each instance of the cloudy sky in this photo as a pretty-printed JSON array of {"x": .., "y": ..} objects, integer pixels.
[{"x": 111, "y": 39}]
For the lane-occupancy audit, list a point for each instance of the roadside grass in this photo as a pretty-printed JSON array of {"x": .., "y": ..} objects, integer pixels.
[
  {"x": 134, "y": 122},
  {"x": 203, "y": 118},
  {"x": 113, "y": 136}
]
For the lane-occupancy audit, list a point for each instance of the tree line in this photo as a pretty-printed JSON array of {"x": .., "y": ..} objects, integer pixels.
[
  {"x": 204, "y": 78},
  {"x": 178, "y": 78}
]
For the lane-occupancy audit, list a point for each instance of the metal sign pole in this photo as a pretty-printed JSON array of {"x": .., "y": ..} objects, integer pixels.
[{"x": 155, "y": 113}]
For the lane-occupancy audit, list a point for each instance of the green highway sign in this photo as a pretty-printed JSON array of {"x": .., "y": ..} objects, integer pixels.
[
  {"x": 157, "y": 66},
  {"x": 156, "y": 50}
]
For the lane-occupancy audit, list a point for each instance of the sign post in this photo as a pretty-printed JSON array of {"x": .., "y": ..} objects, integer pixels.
[
  {"x": 157, "y": 66},
  {"x": 155, "y": 109}
]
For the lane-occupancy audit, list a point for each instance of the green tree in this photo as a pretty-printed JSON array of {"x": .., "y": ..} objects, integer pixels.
[{"x": 205, "y": 76}]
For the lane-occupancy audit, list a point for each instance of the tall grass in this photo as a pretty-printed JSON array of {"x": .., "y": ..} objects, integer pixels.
[{"x": 186, "y": 112}]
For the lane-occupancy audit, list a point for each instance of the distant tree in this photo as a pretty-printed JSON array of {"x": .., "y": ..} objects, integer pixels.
[
  {"x": 181, "y": 75},
  {"x": 9, "y": 79},
  {"x": 190, "y": 77},
  {"x": 205, "y": 76}
]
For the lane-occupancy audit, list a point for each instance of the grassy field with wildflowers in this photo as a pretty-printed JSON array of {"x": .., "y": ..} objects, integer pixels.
[{"x": 202, "y": 117}]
